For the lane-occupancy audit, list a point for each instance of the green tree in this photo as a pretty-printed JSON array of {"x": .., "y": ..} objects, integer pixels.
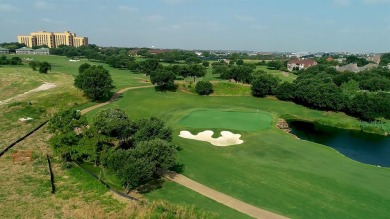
[
  {"x": 206, "y": 64},
  {"x": 163, "y": 78},
  {"x": 96, "y": 82},
  {"x": 285, "y": 91},
  {"x": 152, "y": 128},
  {"x": 385, "y": 59},
  {"x": 34, "y": 65},
  {"x": 204, "y": 87},
  {"x": 264, "y": 85},
  {"x": 240, "y": 62},
  {"x": 83, "y": 67},
  {"x": 44, "y": 67},
  {"x": 114, "y": 123},
  {"x": 195, "y": 71}
]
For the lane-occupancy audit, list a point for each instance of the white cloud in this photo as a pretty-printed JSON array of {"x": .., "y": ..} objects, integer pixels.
[
  {"x": 127, "y": 9},
  {"x": 7, "y": 7},
  {"x": 41, "y": 5},
  {"x": 341, "y": 2}
]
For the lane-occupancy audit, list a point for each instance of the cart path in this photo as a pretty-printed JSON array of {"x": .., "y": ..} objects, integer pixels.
[
  {"x": 222, "y": 198},
  {"x": 113, "y": 98},
  {"x": 197, "y": 187}
]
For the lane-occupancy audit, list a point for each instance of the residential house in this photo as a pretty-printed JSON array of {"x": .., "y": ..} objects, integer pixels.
[
  {"x": 353, "y": 67},
  {"x": 28, "y": 51},
  {"x": 376, "y": 59},
  {"x": 24, "y": 50},
  {"x": 298, "y": 64},
  {"x": 42, "y": 51}
]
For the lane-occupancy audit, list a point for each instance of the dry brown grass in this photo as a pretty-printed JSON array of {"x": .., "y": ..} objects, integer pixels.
[{"x": 26, "y": 191}]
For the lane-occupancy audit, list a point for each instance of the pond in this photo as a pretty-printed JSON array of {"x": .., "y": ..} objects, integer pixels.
[{"x": 363, "y": 147}]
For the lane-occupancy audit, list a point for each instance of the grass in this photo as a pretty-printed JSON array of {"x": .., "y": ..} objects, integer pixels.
[
  {"x": 230, "y": 120},
  {"x": 180, "y": 195},
  {"x": 283, "y": 76},
  {"x": 61, "y": 64},
  {"x": 271, "y": 169},
  {"x": 26, "y": 191}
]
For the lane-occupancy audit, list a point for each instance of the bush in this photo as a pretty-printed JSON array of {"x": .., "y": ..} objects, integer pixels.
[
  {"x": 263, "y": 85},
  {"x": 204, "y": 88}
]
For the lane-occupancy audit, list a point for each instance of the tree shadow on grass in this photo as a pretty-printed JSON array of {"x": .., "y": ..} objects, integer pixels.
[
  {"x": 151, "y": 186},
  {"x": 170, "y": 88},
  {"x": 178, "y": 168}
]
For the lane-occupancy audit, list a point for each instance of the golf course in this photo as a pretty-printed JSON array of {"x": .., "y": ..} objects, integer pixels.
[{"x": 271, "y": 169}]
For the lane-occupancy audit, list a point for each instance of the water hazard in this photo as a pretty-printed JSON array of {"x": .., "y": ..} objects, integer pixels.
[{"x": 363, "y": 147}]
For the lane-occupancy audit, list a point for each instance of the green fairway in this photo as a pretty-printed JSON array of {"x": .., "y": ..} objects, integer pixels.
[
  {"x": 271, "y": 169},
  {"x": 229, "y": 120}
]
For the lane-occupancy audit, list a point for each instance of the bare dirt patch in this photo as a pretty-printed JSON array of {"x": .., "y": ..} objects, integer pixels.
[{"x": 43, "y": 87}]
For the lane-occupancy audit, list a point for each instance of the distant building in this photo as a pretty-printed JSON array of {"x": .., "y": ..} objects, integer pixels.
[
  {"x": 24, "y": 50},
  {"x": 298, "y": 64},
  {"x": 29, "y": 51},
  {"x": 42, "y": 51},
  {"x": 4, "y": 51},
  {"x": 353, "y": 67},
  {"x": 330, "y": 59},
  {"x": 375, "y": 58},
  {"x": 52, "y": 40}
]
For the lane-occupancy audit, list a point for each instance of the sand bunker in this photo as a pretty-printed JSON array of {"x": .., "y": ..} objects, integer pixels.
[
  {"x": 45, "y": 86},
  {"x": 226, "y": 139}
]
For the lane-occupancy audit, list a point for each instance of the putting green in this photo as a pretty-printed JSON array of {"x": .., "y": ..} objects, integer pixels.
[{"x": 230, "y": 120}]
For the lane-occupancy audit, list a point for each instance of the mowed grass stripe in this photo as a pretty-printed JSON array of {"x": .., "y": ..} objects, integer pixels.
[{"x": 229, "y": 120}]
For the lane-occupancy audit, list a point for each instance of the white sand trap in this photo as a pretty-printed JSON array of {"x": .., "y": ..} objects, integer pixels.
[
  {"x": 44, "y": 86},
  {"x": 226, "y": 139}
]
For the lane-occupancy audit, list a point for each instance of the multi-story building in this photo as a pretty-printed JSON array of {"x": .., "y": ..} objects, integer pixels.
[{"x": 52, "y": 40}]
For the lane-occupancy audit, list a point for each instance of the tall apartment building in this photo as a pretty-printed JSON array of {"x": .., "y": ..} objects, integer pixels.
[{"x": 53, "y": 40}]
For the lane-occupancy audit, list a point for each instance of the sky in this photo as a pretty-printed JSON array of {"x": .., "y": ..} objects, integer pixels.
[{"x": 255, "y": 25}]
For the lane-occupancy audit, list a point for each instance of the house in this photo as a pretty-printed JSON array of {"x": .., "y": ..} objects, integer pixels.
[
  {"x": 42, "y": 51},
  {"x": 4, "y": 51},
  {"x": 329, "y": 59},
  {"x": 24, "y": 50},
  {"x": 352, "y": 67},
  {"x": 298, "y": 64},
  {"x": 376, "y": 59}
]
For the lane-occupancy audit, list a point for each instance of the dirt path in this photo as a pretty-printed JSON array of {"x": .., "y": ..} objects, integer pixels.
[
  {"x": 222, "y": 198},
  {"x": 113, "y": 98},
  {"x": 44, "y": 86}
]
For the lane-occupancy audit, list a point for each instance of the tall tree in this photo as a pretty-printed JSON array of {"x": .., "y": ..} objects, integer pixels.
[{"x": 96, "y": 82}]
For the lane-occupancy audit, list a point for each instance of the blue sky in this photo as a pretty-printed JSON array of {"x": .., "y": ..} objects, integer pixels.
[{"x": 260, "y": 25}]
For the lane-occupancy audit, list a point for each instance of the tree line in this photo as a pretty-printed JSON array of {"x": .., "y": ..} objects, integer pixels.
[{"x": 365, "y": 95}]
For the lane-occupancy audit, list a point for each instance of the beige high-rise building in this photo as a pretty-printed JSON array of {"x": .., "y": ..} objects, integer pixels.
[{"x": 53, "y": 40}]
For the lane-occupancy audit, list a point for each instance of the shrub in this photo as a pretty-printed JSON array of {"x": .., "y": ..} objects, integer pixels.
[{"x": 204, "y": 88}]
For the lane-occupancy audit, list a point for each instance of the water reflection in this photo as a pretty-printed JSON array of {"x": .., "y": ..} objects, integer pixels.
[{"x": 363, "y": 147}]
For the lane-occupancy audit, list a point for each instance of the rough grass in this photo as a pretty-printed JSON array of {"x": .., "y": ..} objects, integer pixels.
[
  {"x": 26, "y": 191},
  {"x": 121, "y": 78},
  {"x": 39, "y": 105},
  {"x": 271, "y": 170}
]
